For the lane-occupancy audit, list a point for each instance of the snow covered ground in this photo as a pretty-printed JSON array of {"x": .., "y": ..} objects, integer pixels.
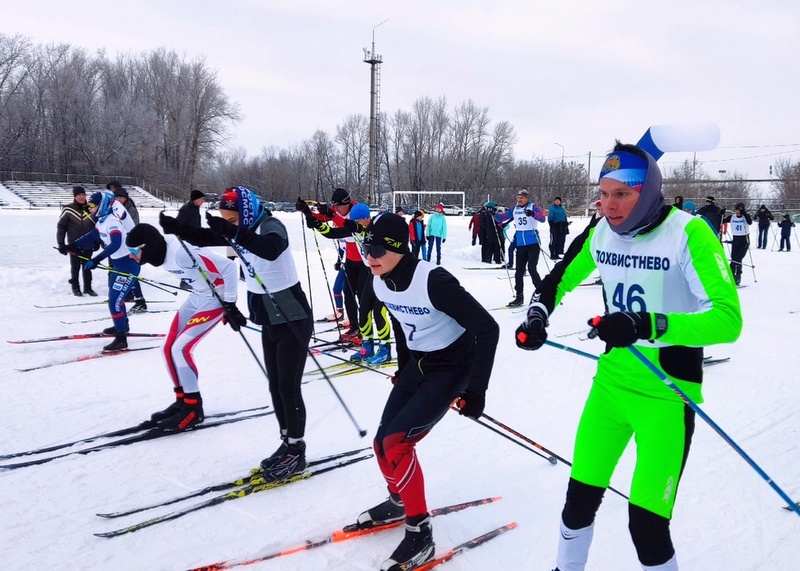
[{"x": 727, "y": 517}]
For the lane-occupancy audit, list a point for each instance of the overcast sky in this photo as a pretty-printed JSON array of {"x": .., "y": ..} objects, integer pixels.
[{"x": 576, "y": 74}]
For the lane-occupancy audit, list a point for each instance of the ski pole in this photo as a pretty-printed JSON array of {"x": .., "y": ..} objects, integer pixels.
[
  {"x": 553, "y": 455},
  {"x": 507, "y": 437},
  {"x": 695, "y": 407},
  {"x": 327, "y": 283},
  {"x": 572, "y": 350},
  {"x": 544, "y": 256},
  {"x": 152, "y": 283},
  {"x": 774, "y": 238},
  {"x": 750, "y": 253},
  {"x": 148, "y": 281},
  {"x": 308, "y": 271},
  {"x": 502, "y": 242},
  {"x": 361, "y": 432},
  {"x": 214, "y": 291}
]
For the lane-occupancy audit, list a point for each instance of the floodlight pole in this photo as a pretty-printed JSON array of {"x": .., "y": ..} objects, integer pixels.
[{"x": 374, "y": 60}]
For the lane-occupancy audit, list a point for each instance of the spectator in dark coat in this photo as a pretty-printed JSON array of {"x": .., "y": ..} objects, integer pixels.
[
  {"x": 490, "y": 235},
  {"x": 713, "y": 215},
  {"x": 74, "y": 222},
  {"x": 786, "y": 226},
  {"x": 416, "y": 232},
  {"x": 763, "y": 216},
  {"x": 559, "y": 228},
  {"x": 121, "y": 196},
  {"x": 189, "y": 213}
]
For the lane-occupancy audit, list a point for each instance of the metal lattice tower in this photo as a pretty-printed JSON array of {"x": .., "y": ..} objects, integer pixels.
[{"x": 374, "y": 60}]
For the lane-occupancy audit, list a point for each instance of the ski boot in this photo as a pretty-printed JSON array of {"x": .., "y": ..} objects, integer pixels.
[
  {"x": 189, "y": 414},
  {"x": 157, "y": 417},
  {"x": 383, "y": 354},
  {"x": 517, "y": 301},
  {"x": 268, "y": 463},
  {"x": 416, "y": 548},
  {"x": 385, "y": 512},
  {"x": 139, "y": 305},
  {"x": 336, "y": 316},
  {"x": 120, "y": 343},
  {"x": 363, "y": 354},
  {"x": 293, "y": 461}
]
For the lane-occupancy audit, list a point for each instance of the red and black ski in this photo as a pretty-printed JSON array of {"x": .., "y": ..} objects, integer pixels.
[
  {"x": 89, "y": 357},
  {"x": 81, "y": 336},
  {"x": 347, "y": 532},
  {"x": 466, "y": 546}
]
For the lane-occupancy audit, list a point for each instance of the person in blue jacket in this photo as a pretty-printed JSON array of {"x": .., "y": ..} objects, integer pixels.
[
  {"x": 559, "y": 228},
  {"x": 437, "y": 233},
  {"x": 526, "y": 216},
  {"x": 786, "y": 226}
]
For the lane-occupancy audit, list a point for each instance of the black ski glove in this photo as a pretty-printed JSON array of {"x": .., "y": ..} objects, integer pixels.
[
  {"x": 313, "y": 223},
  {"x": 232, "y": 316},
  {"x": 337, "y": 265},
  {"x": 471, "y": 403},
  {"x": 325, "y": 209},
  {"x": 62, "y": 249},
  {"x": 302, "y": 206},
  {"x": 221, "y": 227},
  {"x": 529, "y": 212},
  {"x": 533, "y": 333},
  {"x": 169, "y": 224},
  {"x": 622, "y": 329}
]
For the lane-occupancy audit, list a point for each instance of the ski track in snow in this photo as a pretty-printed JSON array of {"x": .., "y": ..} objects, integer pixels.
[{"x": 726, "y": 516}]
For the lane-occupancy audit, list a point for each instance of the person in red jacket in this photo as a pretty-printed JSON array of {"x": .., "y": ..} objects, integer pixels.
[
  {"x": 332, "y": 217},
  {"x": 475, "y": 225}
]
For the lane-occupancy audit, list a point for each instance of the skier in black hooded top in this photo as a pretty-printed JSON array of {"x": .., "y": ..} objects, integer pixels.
[
  {"x": 283, "y": 312},
  {"x": 446, "y": 343}
]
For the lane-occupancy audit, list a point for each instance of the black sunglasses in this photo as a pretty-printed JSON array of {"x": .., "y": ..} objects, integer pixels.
[{"x": 374, "y": 250}]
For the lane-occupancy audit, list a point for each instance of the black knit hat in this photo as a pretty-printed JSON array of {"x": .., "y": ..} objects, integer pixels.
[
  {"x": 152, "y": 243},
  {"x": 710, "y": 199},
  {"x": 195, "y": 194},
  {"x": 340, "y": 197},
  {"x": 390, "y": 231},
  {"x": 76, "y": 190}
]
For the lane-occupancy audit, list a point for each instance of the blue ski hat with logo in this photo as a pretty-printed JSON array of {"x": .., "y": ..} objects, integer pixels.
[
  {"x": 244, "y": 201},
  {"x": 637, "y": 169}
]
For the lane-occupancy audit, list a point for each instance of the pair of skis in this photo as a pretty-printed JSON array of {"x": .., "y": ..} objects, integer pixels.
[
  {"x": 88, "y": 356},
  {"x": 354, "y": 531},
  {"x": 252, "y": 483},
  {"x": 100, "y": 302},
  {"x": 105, "y": 317},
  {"x": 126, "y": 436}
]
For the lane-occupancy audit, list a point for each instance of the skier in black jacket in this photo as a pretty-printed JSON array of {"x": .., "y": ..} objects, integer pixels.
[
  {"x": 282, "y": 311},
  {"x": 446, "y": 343}
]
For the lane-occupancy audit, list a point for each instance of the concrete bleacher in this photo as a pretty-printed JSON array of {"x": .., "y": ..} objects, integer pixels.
[{"x": 43, "y": 194}]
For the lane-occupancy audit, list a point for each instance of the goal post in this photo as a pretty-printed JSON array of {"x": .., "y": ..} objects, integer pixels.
[{"x": 420, "y": 193}]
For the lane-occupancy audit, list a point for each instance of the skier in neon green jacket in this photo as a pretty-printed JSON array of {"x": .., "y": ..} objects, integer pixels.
[{"x": 669, "y": 292}]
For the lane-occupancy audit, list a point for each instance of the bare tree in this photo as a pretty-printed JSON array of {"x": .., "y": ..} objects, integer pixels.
[
  {"x": 353, "y": 139},
  {"x": 787, "y": 183}
]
